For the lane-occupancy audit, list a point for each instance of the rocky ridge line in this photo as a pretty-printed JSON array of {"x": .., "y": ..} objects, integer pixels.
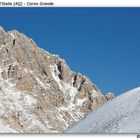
[{"x": 39, "y": 93}]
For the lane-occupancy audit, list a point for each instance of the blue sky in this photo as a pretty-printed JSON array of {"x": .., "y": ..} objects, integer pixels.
[{"x": 102, "y": 43}]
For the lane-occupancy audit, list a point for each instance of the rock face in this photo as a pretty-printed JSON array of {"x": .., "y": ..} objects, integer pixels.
[
  {"x": 109, "y": 96},
  {"x": 119, "y": 116},
  {"x": 39, "y": 93}
]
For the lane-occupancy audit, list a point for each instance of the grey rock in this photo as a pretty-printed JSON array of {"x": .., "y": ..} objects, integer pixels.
[
  {"x": 109, "y": 96},
  {"x": 39, "y": 93}
]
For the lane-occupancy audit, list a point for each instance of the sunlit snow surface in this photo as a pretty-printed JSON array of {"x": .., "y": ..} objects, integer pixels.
[
  {"x": 120, "y": 115},
  {"x": 6, "y": 129}
]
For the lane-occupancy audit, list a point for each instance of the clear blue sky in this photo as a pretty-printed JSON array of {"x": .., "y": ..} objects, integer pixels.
[{"x": 102, "y": 43}]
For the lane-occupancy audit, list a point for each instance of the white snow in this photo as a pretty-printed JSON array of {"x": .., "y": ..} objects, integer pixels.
[
  {"x": 79, "y": 102},
  {"x": 18, "y": 102},
  {"x": 64, "y": 87},
  {"x": 69, "y": 91},
  {"x": 13, "y": 35},
  {"x": 94, "y": 93},
  {"x": 6, "y": 129},
  {"x": 119, "y": 115},
  {"x": 41, "y": 126},
  {"x": 30, "y": 100},
  {"x": 2, "y": 109},
  {"x": 45, "y": 86},
  {"x": 2, "y": 45}
]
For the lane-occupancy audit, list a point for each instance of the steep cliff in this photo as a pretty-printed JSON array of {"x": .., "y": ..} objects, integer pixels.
[{"x": 39, "y": 93}]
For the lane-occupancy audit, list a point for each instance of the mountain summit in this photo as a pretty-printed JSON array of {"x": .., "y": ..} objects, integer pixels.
[{"x": 39, "y": 93}]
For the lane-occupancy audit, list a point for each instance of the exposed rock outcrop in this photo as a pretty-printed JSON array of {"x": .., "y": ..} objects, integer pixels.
[
  {"x": 109, "y": 96},
  {"x": 39, "y": 93}
]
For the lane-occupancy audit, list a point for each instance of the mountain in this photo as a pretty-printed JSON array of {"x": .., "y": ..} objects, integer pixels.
[
  {"x": 119, "y": 115},
  {"x": 39, "y": 93}
]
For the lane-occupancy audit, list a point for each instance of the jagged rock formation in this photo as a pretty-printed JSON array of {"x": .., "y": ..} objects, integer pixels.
[
  {"x": 38, "y": 91},
  {"x": 109, "y": 96}
]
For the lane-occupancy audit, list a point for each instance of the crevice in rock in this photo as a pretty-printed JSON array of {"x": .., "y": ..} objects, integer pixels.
[
  {"x": 14, "y": 41},
  {"x": 81, "y": 84},
  {"x": 74, "y": 80},
  {"x": 90, "y": 99},
  {"x": 44, "y": 72},
  {"x": 18, "y": 114},
  {"x": 9, "y": 69},
  {"x": 6, "y": 50},
  {"x": 42, "y": 69},
  {"x": 60, "y": 69},
  {"x": 39, "y": 107}
]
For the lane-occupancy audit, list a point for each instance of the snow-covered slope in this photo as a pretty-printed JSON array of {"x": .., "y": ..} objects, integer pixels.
[
  {"x": 6, "y": 129},
  {"x": 119, "y": 115}
]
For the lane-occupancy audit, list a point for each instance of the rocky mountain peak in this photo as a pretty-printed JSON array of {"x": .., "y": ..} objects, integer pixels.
[
  {"x": 109, "y": 96},
  {"x": 39, "y": 93}
]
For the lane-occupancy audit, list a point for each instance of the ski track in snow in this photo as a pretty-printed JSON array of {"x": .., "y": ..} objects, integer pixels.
[{"x": 120, "y": 115}]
